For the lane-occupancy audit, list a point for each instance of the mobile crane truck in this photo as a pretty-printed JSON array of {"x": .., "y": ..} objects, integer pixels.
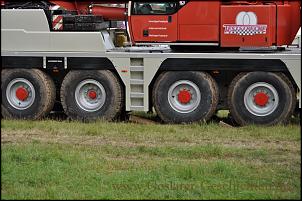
[{"x": 62, "y": 51}]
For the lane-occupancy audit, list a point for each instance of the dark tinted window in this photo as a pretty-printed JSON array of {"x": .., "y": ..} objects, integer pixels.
[{"x": 153, "y": 8}]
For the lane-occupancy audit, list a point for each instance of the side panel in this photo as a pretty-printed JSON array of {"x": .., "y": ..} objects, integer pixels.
[
  {"x": 288, "y": 22},
  {"x": 89, "y": 63},
  {"x": 154, "y": 21},
  {"x": 50, "y": 62},
  {"x": 199, "y": 21},
  {"x": 154, "y": 28},
  {"x": 244, "y": 26},
  {"x": 21, "y": 62},
  {"x": 204, "y": 64},
  {"x": 28, "y": 30},
  {"x": 29, "y": 19},
  {"x": 22, "y": 40}
]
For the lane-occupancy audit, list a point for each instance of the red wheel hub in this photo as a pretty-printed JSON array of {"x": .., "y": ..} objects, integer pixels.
[
  {"x": 21, "y": 93},
  {"x": 92, "y": 94},
  {"x": 261, "y": 99},
  {"x": 184, "y": 96}
]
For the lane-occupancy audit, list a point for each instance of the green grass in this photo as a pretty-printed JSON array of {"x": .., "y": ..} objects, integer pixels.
[{"x": 71, "y": 160}]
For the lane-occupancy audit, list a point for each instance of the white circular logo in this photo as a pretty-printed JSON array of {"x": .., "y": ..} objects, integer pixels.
[{"x": 246, "y": 18}]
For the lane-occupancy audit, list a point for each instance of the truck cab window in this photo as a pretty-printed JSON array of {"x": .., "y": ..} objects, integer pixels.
[{"x": 148, "y": 8}]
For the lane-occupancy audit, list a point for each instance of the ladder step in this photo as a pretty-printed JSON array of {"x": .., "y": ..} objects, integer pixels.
[
  {"x": 137, "y": 108},
  {"x": 136, "y": 81},
  {"x": 137, "y": 95},
  {"x": 137, "y": 68}
]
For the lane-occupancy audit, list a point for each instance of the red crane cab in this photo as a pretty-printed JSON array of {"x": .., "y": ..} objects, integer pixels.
[{"x": 227, "y": 24}]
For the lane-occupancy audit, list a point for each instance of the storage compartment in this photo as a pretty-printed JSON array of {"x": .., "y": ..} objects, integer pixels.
[{"x": 248, "y": 26}]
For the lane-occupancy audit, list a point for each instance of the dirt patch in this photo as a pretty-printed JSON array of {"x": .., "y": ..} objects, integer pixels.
[
  {"x": 141, "y": 120},
  {"x": 35, "y": 135}
]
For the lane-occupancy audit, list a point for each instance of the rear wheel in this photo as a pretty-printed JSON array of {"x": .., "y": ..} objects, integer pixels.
[
  {"x": 184, "y": 97},
  {"x": 261, "y": 98},
  {"x": 26, "y": 93},
  {"x": 91, "y": 95}
]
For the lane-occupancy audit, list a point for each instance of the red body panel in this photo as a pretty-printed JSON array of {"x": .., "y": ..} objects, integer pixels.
[
  {"x": 246, "y": 25},
  {"x": 154, "y": 28},
  {"x": 283, "y": 22},
  {"x": 198, "y": 22},
  {"x": 288, "y": 22},
  {"x": 199, "y": 33}
]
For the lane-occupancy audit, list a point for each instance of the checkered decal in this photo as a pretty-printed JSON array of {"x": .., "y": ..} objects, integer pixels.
[{"x": 244, "y": 30}]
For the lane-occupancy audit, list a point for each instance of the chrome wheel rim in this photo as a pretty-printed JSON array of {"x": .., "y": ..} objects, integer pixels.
[
  {"x": 90, "y": 95},
  {"x": 20, "y": 93},
  {"x": 261, "y": 99},
  {"x": 184, "y": 96}
]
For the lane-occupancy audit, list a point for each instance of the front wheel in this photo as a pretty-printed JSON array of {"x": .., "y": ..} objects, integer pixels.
[
  {"x": 263, "y": 98},
  {"x": 185, "y": 97}
]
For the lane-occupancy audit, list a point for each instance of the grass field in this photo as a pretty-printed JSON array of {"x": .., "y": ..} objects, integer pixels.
[{"x": 71, "y": 160}]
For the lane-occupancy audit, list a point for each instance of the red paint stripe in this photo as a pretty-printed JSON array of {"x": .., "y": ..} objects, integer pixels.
[
  {"x": 57, "y": 26},
  {"x": 57, "y": 19}
]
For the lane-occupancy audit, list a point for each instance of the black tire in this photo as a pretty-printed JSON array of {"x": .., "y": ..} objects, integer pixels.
[
  {"x": 113, "y": 101},
  {"x": 208, "y": 101},
  {"x": 283, "y": 110},
  {"x": 45, "y": 94}
]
